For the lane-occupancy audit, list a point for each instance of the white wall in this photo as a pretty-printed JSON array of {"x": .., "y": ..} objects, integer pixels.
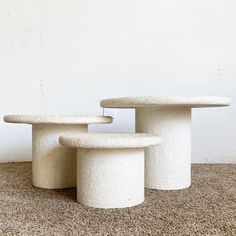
[{"x": 62, "y": 57}]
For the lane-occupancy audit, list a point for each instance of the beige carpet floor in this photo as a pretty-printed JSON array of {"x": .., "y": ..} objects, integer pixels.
[{"x": 207, "y": 208}]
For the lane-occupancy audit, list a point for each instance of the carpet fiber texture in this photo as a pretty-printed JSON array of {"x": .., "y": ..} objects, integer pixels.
[{"x": 207, "y": 208}]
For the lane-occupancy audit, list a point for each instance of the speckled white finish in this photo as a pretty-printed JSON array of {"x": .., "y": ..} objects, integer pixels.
[
  {"x": 134, "y": 102},
  {"x": 107, "y": 178},
  {"x": 54, "y": 166},
  {"x": 110, "y": 175},
  {"x": 57, "y": 119},
  {"x": 167, "y": 167},
  {"x": 110, "y": 141}
]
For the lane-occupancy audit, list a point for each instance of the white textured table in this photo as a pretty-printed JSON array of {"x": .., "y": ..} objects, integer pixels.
[
  {"x": 110, "y": 168},
  {"x": 54, "y": 166},
  {"x": 169, "y": 166}
]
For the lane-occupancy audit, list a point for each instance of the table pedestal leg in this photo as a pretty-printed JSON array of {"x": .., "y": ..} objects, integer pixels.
[
  {"x": 168, "y": 166},
  {"x": 110, "y": 178},
  {"x": 53, "y": 165}
]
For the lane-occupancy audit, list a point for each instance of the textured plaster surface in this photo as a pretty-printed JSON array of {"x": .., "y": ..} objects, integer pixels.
[
  {"x": 57, "y": 119},
  {"x": 168, "y": 166},
  {"x": 101, "y": 141},
  {"x": 110, "y": 168},
  {"x": 54, "y": 165},
  {"x": 110, "y": 178},
  {"x": 133, "y": 102}
]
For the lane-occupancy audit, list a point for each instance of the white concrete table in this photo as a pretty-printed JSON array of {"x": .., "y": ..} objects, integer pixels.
[
  {"x": 54, "y": 166},
  {"x": 167, "y": 167},
  {"x": 110, "y": 168}
]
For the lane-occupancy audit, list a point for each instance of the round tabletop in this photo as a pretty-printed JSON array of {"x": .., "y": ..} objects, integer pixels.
[
  {"x": 195, "y": 102},
  {"x": 57, "y": 119},
  {"x": 110, "y": 141}
]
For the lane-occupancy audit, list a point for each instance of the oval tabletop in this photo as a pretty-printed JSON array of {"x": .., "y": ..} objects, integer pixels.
[
  {"x": 134, "y": 102},
  {"x": 109, "y": 141},
  {"x": 57, "y": 119}
]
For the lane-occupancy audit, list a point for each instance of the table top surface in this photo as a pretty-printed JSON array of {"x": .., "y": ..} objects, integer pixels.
[
  {"x": 57, "y": 119},
  {"x": 194, "y": 102},
  {"x": 110, "y": 141}
]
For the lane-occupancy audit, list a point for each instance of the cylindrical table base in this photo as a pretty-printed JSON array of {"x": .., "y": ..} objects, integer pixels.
[
  {"x": 53, "y": 165},
  {"x": 168, "y": 166},
  {"x": 110, "y": 178}
]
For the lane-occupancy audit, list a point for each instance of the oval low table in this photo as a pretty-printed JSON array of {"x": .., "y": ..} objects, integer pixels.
[
  {"x": 54, "y": 166},
  {"x": 110, "y": 168},
  {"x": 169, "y": 166}
]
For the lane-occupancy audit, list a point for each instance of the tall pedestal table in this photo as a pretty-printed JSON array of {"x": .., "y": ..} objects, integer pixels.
[{"x": 167, "y": 167}]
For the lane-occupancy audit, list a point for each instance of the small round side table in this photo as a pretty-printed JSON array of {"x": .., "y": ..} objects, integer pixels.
[{"x": 53, "y": 165}]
